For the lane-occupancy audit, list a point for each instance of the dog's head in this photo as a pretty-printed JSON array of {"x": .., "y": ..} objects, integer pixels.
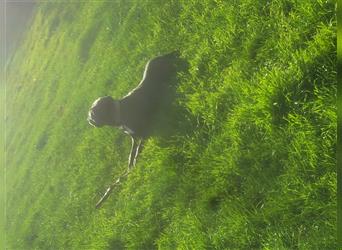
[{"x": 102, "y": 112}]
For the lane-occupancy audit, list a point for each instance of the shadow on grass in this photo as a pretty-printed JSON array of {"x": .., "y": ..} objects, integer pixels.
[
  {"x": 87, "y": 41},
  {"x": 116, "y": 244}
]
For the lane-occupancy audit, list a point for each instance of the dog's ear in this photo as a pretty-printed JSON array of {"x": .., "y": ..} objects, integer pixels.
[{"x": 101, "y": 112}]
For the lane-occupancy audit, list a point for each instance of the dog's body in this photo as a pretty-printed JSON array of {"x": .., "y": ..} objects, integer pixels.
[
  {"x": 140, "y": 106},
  {"x": 135, "y": 112}
]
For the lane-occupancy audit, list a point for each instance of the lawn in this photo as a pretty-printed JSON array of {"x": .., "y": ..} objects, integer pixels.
[{"x": 247, "y": 159}]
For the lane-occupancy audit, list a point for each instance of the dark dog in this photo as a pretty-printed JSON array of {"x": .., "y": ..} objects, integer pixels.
[{"x": 135, "y": 113}]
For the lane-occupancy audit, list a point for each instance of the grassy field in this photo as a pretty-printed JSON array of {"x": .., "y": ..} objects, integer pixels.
[{"x": 248, "y": 158}]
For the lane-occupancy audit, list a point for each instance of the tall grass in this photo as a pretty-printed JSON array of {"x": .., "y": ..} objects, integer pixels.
[{"x": 248, "y": 158}]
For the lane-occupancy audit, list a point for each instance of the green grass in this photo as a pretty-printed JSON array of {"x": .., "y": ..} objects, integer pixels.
[{"x": 248, "y": 161}]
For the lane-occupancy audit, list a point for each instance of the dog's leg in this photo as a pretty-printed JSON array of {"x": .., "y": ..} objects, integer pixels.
[
  {"x": 132, "y": 153},
  {"x": 110, "y": 189},
  {"x": 131, "y": 163},
  {"x": 139, "y": 148}
]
